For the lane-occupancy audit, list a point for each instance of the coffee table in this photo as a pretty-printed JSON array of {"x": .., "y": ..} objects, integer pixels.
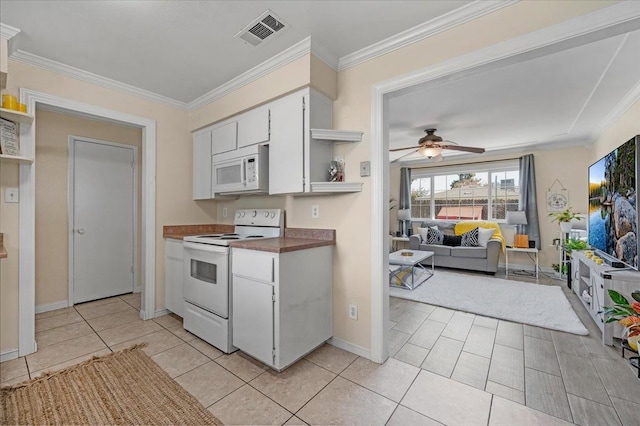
[{"x": 411, "y": 258}]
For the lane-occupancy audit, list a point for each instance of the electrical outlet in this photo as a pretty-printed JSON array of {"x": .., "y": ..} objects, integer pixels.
[
  {"x": 11, "y": 195},
  {"x": 315, "y": 211},
  {"x": 353, "y": 311},
  {"x": 224, "y": 212}
]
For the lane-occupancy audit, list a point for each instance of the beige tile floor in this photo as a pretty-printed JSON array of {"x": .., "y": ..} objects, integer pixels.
[{"x": 447, "y": 367}]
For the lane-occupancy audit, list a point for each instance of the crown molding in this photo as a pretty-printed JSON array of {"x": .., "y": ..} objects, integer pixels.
[
  {"x": 321, "y": 52},
  {"x": 420, "y": 32},
  {"x": 627, "y": 102},
  {"x": 88, "y": 77},
  {"x": 296, "y": 51},
  {"x": 8, "y": 32}
]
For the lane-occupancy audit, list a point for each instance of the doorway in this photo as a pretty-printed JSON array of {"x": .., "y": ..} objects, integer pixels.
[{"x": 102, "y": 219}]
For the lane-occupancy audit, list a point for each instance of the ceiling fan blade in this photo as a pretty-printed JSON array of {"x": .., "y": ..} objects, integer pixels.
[
  {"x": 464, "y": 148},
  {"x": 400, "y": 149},
  {"x": 402, "y": 156}
]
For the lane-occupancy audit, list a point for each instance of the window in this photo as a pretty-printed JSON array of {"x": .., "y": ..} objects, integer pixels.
[{"x": 472, "y": 192}]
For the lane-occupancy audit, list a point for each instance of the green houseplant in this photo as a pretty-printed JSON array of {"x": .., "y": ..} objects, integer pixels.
[
  {"x": 564, "y": 218},
  {"x": 627, "y": 314}
]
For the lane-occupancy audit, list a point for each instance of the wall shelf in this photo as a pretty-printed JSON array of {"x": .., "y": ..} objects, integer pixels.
[
  {"x": 335, "y": 187},
  {"x": 15, "y": 159},
  {"x": 16, "y": 116},
  {"x": 337, "y": 136}
]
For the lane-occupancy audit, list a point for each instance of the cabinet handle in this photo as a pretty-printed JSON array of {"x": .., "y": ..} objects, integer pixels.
[{"x": 243, "y": 172}]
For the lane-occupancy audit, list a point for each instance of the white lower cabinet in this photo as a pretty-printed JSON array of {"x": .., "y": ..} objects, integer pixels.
[
  {"x": 282, "y": 303},
  {"x": 173, "y": 276}
]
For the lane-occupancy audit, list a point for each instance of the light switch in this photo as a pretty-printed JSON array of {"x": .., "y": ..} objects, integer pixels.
[
  {"x": 365, "y": 168},
  {"x": 11, "y": 195}
]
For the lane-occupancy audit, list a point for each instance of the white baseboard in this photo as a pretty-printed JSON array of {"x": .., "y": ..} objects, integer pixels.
[
  {"x": 137, "y": 289},
  {"x": 161, "y": 312},
  {"x": 8, "y": 355},
  {"x": 350, "y": 347},
  {"x": 52, "y": 306}
]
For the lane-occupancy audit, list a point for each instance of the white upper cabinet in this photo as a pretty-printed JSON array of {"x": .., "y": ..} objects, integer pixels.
[
  {"x": 224, "y": 138},
  {"x": 253, "y": 127},
  {"x": 202, "y": 166},
  {"x": 286, "y": 147}
]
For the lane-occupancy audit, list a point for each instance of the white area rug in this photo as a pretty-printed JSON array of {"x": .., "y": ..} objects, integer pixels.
[{"x": 535, "y": 304}]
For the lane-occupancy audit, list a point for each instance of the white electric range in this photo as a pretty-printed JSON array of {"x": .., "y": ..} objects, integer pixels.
[{"x": 207, "y": 274}]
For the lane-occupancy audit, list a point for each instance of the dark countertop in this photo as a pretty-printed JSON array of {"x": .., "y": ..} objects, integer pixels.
[
  {"x": 178, "y": 232},
  {"x": 281, "y": 245},
  {"x": 294, "y": 238}
]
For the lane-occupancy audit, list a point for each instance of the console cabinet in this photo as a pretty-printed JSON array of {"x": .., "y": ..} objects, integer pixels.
[
  {"x": 591, "y": 283},
  {"x": 282, "y": 303}
]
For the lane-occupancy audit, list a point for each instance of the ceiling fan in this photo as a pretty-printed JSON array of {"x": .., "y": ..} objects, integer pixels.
[{"x": 431, "y": 146}]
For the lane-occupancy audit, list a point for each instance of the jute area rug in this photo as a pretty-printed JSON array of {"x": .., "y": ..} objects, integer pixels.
[{"x": 122, "y": 388}]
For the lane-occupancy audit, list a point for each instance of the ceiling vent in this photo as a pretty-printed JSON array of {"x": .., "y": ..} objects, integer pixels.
[{"x": 262, "y": 29}]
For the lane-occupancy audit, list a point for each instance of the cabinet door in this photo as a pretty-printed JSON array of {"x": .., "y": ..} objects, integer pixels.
[
  {"x": 253, "y": 318},
  {"x": 253, "y": 127},
  {"x": 173, "y": 276},
  {"x": 224, "y": 138},
  {"x": 286, "y": 146},
  {"x": 202, "y": 166}
]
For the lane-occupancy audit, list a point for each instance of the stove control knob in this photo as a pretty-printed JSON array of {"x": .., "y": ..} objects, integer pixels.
[
  {"x": 266, "y": 215},
  {"x": 254, "y": 214},
  {"x": 238, "y": 214},
  {"x": 241, "y": 214},
  {"x": 273, "y": 214}
]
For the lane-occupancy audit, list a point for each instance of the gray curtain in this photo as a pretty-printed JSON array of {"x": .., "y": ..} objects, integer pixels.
[
  {"x": 528, "y": 198},
  {"x": 405, "y": 197}
]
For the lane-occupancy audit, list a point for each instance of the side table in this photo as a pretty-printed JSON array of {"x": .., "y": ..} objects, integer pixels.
[{"x": 533, "y": 251}]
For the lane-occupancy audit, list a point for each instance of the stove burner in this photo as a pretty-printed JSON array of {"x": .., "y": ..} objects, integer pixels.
[
  {"x": 229, "y": 238},
  {"x": 254, "y": 236},
  {"x": 230, "y": 235},
  {"x": 209, "y": 236}
]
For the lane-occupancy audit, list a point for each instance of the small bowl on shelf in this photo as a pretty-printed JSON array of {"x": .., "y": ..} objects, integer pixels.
[{"x": 407, "y": 253}]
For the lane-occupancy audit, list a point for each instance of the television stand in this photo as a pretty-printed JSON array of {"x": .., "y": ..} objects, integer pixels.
[{"x": 592, "y": 283}]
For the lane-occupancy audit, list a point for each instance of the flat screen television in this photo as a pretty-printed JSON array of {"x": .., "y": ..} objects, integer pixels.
[{"x": 613, "y": 204}]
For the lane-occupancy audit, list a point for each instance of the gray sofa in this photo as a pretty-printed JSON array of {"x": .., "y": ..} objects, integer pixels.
[{"x": 484, "y": 259}]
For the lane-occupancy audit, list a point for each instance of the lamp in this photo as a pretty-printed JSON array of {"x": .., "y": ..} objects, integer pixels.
[
  {"x": 430, "y": 152},
  {"x": 403, "y": 216},
  {"x": 518, "y": 218}
]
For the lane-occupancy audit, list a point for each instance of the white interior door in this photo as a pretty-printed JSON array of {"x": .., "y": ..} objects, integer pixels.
[{"x": 103, "y": 219}]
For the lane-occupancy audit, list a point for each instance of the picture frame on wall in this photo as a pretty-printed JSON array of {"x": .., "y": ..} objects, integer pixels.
[
  {"x": 557, "y": 200},
  {"x": 9, "y": 142}
]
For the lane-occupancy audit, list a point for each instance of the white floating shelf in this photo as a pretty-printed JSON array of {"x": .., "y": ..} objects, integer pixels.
[
  {"x": 335, "y": 187},
  {"x": 16, "y": 116},
  {"x": 15, "y": 159},
  {"x": 336, "y": 135}
]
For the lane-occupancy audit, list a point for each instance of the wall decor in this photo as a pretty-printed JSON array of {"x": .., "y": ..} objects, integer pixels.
[{"x": 557, "y": 198}]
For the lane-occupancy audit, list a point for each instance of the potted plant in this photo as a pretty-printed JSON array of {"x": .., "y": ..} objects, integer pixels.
[
  {"x": 626, "y": 314},
  {"x": 564, "y": 218},
  {"x": 572, "y": 244}
]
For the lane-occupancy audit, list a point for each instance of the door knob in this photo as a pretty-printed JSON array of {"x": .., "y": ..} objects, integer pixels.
[{"x": 80, "y": 231}]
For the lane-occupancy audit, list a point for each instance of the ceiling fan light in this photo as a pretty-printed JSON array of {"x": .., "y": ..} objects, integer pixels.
[{"x": 430, "y": 152}]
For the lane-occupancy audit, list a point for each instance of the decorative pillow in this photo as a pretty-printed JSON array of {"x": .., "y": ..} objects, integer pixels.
[
  {"x": 452, "y": 240},
  {"x": 470, "y": 239},
  {"x": 484, "y": 235},
  {"x": 434, "y": 236},
  {"x": 423, "y": 234}
]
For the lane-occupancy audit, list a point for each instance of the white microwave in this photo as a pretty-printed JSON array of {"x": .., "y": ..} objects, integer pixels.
[{"x": 248, "y": 173}]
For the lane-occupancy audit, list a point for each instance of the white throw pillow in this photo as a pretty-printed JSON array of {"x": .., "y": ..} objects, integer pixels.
[
  {"x": 423, "y": 234},
  {"x": 484, "y": 235}
]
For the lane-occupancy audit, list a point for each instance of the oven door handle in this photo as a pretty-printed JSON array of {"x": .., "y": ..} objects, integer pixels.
[{"x": 205, "y": 247}]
